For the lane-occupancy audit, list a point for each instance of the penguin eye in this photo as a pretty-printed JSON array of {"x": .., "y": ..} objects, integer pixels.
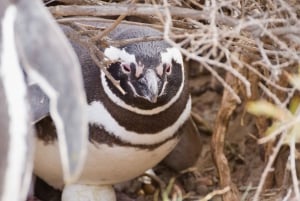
[
  {"x": 126, "y": 68},
  {"x": 167, "y": 68}
]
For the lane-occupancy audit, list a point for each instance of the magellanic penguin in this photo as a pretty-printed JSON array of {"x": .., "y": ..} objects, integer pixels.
[
  {"x": 30, "y": 57},
  {"x": 128, "y": 133}
]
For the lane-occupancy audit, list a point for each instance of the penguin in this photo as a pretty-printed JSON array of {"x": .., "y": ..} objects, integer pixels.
[
  {"x": 33, "y": 54},
  {"x": 128, "y": 132},
  {"x": 16, "y": 136}
]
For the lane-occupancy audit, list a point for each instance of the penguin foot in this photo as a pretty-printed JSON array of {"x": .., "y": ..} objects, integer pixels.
[{"x": 80, "y": 192}]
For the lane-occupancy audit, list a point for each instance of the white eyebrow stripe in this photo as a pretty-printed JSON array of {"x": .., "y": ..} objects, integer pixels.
[
  {"x": 114, "y": 53},
  {"x": 172, "y": 54}
]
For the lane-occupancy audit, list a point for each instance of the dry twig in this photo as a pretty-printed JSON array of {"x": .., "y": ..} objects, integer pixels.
[
  {"x": 228, "y": 105},
  {"x": 214, "y": 193}
]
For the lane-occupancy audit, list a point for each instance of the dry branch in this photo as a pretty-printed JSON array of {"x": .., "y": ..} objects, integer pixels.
[
  {"x": 134, "y": 10},
  {"x": 121, "y": 9},
  {"x": 268, "y": 168},
  {"x": 214, "y": 193},
  {"x": 228, "y": 105}
]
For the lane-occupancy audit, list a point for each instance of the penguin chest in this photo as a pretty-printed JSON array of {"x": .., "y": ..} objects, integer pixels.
[
  {"x": 116, "y": 164},
  {"x": 105, "y": 164},
  {"x": 115, "y": 152}
]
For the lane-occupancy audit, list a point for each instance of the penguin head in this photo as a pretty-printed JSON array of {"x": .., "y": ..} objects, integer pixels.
[{"x": 150, "y": 73}]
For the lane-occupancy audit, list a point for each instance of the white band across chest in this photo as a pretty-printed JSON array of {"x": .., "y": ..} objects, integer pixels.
[{"x": 99, "y": 115}]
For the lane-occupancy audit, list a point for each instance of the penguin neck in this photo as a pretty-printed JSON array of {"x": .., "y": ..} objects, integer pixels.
[{"x": 133, "y": 119}]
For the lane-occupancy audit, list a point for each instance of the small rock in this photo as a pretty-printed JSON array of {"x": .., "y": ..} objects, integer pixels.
[{"x": 202, "y": 189}]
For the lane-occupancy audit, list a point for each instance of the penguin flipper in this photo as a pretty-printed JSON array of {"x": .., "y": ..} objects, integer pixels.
[
  {"x": 50, "y": 62},
  {"x": 188, "y": 150},
  {"x": 39, "y": 103}
]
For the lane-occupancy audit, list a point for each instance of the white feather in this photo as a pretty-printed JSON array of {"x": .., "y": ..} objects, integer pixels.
[
  {"x": 105, "y": 164},
  {"x": 15, "y": 90},
  {"x": 115, "y": 54},
  {"x": 172, "y": 54},
  {"x": 80, "y": 192}
]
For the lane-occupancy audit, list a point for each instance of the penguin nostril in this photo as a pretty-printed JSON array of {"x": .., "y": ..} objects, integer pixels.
[{"x": 126, "y": 68}]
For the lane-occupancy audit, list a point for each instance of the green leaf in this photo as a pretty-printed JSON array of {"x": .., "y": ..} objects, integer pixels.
[
  {"x": 267, "y": 109},
  {"x": 294, "y": 104}
]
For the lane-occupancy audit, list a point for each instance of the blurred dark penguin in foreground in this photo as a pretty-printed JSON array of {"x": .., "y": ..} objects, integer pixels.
[{"x": 36, "y": 57}]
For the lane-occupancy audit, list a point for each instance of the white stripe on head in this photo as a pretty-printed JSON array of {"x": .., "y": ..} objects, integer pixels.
[
  {"x": 115, "y": 54},
  {"x": 15, "y": 90},
  {"x": 172, "y": 53},
  {"x": 99, "y": 115}
]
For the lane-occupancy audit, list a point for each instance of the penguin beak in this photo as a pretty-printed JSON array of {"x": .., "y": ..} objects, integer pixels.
[
  {"x": 151, "y": 81},
  {"x": 52, "y": 65}
]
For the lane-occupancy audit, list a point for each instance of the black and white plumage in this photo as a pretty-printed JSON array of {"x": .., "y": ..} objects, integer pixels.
[
  {"x": 50, "y": 63},
  {"x": 128, "y": 133},
  {"x": 25, "y": 63}
]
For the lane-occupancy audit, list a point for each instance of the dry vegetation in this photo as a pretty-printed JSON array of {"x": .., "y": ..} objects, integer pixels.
[{"x": 249, "y": 47}]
